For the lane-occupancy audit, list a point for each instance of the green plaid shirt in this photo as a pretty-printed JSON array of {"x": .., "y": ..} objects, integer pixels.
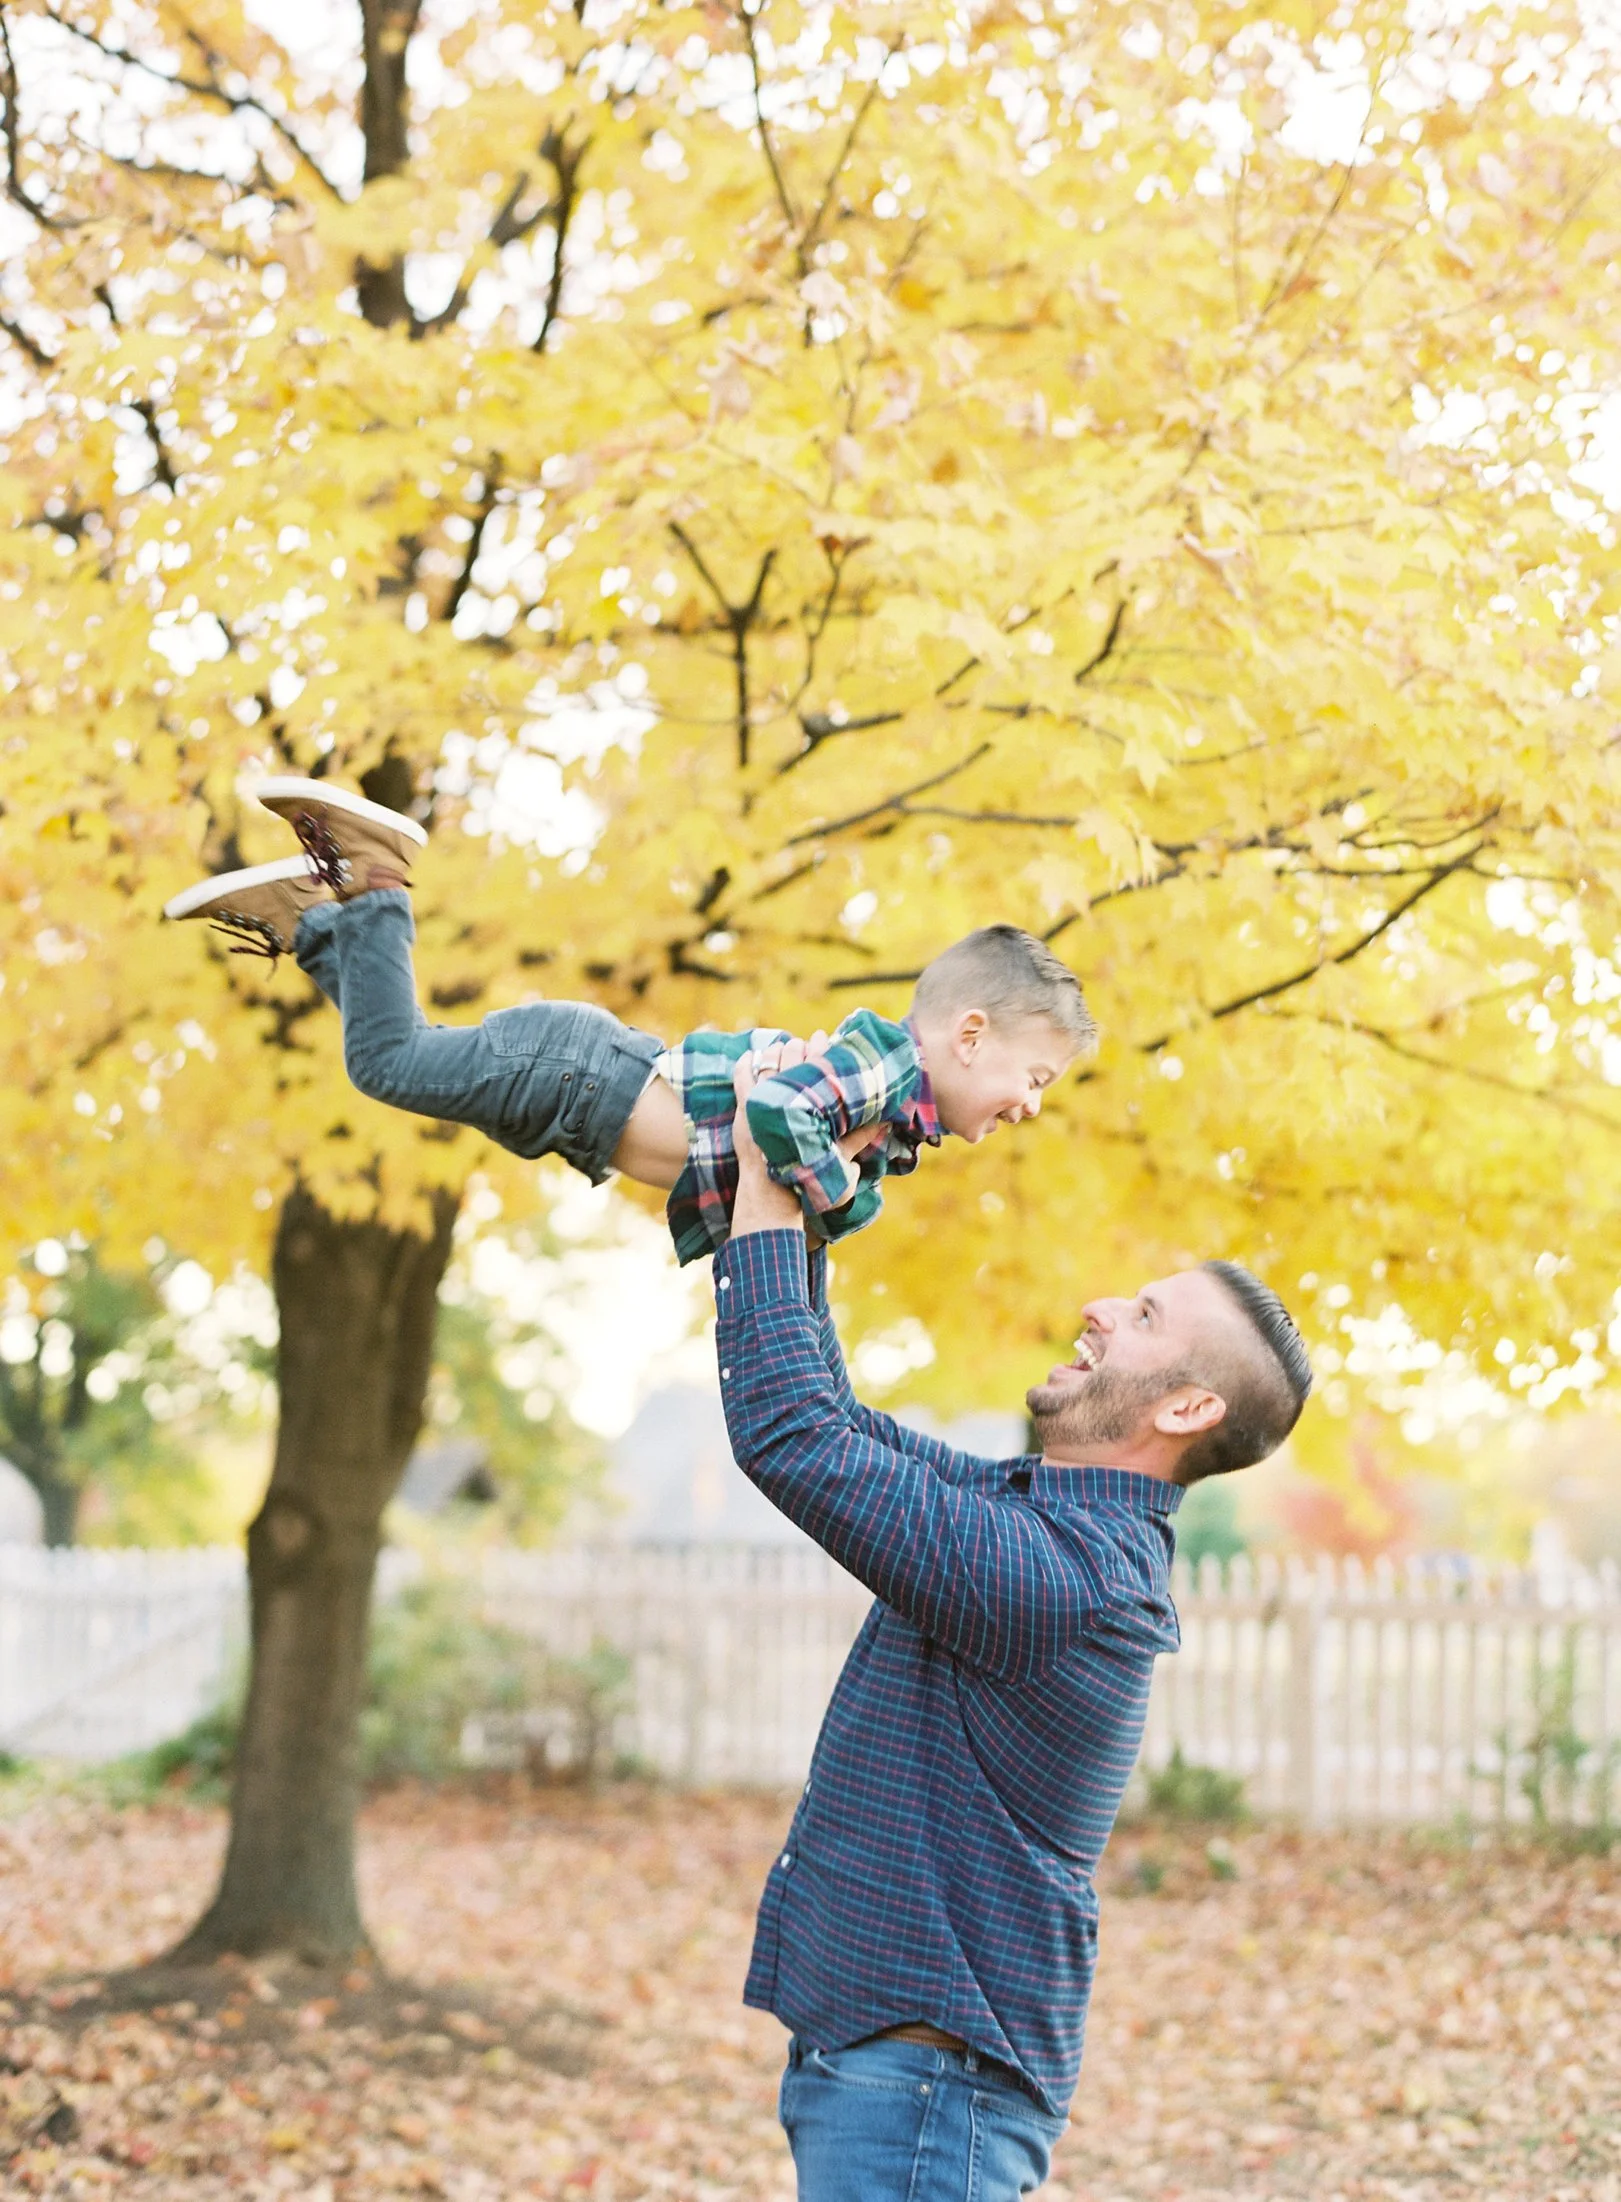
[{"x": 872, "y": 1072}]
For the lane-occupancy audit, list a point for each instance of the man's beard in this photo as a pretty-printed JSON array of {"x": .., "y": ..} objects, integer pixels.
[{"x": 1104, "y": 1408}]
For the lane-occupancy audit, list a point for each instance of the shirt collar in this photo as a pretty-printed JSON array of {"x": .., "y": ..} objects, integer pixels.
[
  {"x": 922, "y": 1112},
  {"x": 1127, "y": 1487}
]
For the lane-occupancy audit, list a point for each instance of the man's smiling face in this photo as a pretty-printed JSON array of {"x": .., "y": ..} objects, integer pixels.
[{"x": 1131, "y": 1356}]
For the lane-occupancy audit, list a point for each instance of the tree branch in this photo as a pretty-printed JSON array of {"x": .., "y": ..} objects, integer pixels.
[
  {"x": 16, "y": 190},
  {"x": 1106, "y": 647},
  {"x": 25, "y": 343},
  {"x": 162, "y": 468},
  {"x": 779, "y": 181},
  {"x": 739, "y": 619},
  {"x": 1495, "y": 1079},
  {"x": 808, "y": 242},
  {"x": 487, "y": 504},
  {"x": 895, "y": 802},
  {"x": 1398, "y": 909},
  {"x": 819, "y": 728},
  {"x": 202, "y": 88},
  {"x": 565, "y": 160}
]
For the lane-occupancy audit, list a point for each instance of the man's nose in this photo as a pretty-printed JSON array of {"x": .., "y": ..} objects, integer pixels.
[{"x": 1099, "y": 1314}]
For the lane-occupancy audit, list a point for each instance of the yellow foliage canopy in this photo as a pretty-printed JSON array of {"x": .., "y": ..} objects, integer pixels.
[{"x": 873, "y": 471}]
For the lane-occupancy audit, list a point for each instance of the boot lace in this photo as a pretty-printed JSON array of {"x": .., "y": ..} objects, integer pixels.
[
  {"x": 253, "y": 936},
  {"x": 323, "y": 848}
]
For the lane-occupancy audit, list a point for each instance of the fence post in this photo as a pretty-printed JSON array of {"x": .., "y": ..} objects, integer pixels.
[{"x": 1304, "y": 1611}]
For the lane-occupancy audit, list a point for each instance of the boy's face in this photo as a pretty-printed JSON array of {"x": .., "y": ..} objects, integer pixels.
[{"x": 987, "y": 1074}]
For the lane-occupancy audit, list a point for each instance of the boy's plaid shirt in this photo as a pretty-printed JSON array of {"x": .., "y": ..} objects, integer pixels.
[{"x": 872, "y": 1072}]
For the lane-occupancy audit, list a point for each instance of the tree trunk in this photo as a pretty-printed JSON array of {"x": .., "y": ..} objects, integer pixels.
[
  {"x": 59, "y": 1501},
  {"x": 357, "y": 1305},
  {"x": 386, "y": 29}
]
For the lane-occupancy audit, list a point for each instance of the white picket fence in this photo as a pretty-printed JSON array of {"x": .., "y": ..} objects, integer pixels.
[
  {"x": 102, "y": 1653},
  {"x": 1426, "y": 1693}
]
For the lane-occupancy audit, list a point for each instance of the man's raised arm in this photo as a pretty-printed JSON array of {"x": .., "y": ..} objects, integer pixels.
[
  {"x": 945, "y": 1460},
  {"x": 992, "y": 1581}
]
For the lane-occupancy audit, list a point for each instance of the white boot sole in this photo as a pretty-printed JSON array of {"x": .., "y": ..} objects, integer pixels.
[
  {"x": 225, "y": 883},
  {"x": 319, "y": 794}
]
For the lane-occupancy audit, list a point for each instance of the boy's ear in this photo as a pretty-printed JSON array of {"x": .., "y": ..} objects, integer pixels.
[{"x": 972, "y": 1026}]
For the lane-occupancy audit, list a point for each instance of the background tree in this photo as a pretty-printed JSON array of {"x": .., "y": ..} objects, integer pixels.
[
  {"x": 67, "y": 1405},
  {"x": 774, "y": 489}
]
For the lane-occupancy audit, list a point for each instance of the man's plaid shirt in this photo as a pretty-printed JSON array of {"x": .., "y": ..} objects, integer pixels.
[
  {"x": 872, "y": 1072},
  {"x": 972, "y": 1760}
]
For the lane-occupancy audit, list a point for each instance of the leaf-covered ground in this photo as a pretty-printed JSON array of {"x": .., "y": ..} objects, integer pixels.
[{"x": 1314, "y": 2017}]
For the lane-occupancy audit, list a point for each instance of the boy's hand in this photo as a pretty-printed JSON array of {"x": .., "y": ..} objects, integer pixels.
[{"x": 787, "y": 1055}]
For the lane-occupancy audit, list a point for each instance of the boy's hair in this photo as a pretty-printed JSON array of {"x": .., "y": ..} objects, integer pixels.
[{"x": 1010, "y": 975}]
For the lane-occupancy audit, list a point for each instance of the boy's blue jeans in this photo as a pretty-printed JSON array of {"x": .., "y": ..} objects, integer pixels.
[
  {"x": 898, "y": 2121},
  {"x": 545, "y": 1078}
]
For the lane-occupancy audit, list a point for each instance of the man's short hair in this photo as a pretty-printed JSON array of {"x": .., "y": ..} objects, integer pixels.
[
  {"x": 1010, "y": 975},
  {"x": 1264, "y": 1391}
]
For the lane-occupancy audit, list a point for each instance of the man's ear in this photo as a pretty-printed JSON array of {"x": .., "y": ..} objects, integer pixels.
[
  {"x": 1189, "y": 1413},
  {"x": 972, "y": 1026}
]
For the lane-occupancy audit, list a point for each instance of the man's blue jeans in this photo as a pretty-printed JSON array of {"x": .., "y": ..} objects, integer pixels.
[
  {"x": 544, "y": 1078},
  {"x": 898, "y": 2121}
]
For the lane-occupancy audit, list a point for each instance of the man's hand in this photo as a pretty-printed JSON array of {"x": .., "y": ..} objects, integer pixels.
[{"x": 762, "y": 1205}]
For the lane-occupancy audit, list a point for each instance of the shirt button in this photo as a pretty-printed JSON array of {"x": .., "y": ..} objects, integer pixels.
[
  {"x": 726, "y": 1284},
  {"x": 725, "y": 1376},
  {"x": 786, "y": 1861}
]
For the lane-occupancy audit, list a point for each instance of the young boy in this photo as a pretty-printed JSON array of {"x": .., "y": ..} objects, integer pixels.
[{"x": 993, "y": 1022}]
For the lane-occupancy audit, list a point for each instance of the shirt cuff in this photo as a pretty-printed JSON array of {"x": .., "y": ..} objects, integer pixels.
[{"x": 762, "y": 1269}]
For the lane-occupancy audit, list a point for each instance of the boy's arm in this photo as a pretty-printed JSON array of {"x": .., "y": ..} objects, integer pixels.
[{"x": 799, "y": 1114}]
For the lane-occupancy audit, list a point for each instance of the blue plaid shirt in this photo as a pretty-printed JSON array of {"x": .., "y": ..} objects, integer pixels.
[{"x": 972, "y": 1760}]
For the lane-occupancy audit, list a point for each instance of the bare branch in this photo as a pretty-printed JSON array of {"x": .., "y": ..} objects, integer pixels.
[
  {"x": 565, "y": 160},
  {"x": 162, "y": 467},
  {"x": 808, "y": 241},
  {"x": 837, "y": 559},
  {"x": 25, "y": 343},
  {"x": 779, "y": 181},
  {"x": 1106, "y": 648},
  {"x": 819, "y": 728},
  {"x": 739, "y": 619},
  {"x": 16, "y": 190},
  {"x": 505, "y": 228},
  {"x": 481, "y": 520},
  {"x": 896, "y": 802},
  {"x": 1398, "y": 909},
  {"x": 1495, "y": 1079},
  {"x": 1289, "y": 273},
  {"x": 202, "y": 88}
]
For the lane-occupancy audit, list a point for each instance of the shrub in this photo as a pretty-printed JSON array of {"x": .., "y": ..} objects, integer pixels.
[
  {"x": 439, "y": 1675},
  {"x": 1199, "y": 1794},
  {"x": 199, "y": 1760}
]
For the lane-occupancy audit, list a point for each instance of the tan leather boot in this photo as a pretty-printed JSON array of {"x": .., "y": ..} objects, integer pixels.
[
  {"x": 344, "y": 834},
  {"x": 257, "y": 909}
]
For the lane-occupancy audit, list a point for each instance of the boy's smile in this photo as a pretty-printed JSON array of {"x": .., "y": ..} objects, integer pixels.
[{"x": 984, "y": 1075}]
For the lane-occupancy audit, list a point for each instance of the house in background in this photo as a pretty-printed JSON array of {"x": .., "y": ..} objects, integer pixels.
[
  {"x": 22, "y": 1517},
  {"x": 447, "y": 1469}
]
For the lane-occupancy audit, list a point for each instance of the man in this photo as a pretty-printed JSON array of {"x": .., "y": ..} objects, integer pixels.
[{"x": 928, "y": 1931}]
